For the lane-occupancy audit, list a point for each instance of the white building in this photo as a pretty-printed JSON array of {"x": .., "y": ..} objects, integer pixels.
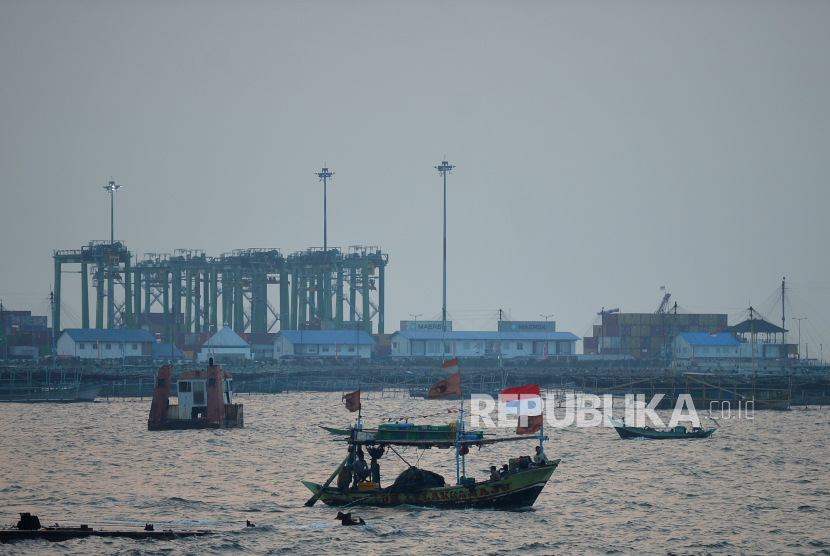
[
  {"x": 702, "y": 345},
  {"x": 323, "y": 343},
  {"x": 98, "y": 343},
  {"x": 486, "y": 344},
  {"x": 225, "y": 345}
]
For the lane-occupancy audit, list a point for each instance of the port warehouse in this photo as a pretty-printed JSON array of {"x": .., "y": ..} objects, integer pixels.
[
  {"x": 651, "y": 336},
  {"x": 483, "y": 344}
]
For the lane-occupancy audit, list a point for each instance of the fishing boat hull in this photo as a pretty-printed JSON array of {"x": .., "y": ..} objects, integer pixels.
[
  {"x": 636, "y": 432},
  {"x": 53, "y": 395},
  {"x": 333, "y": 430},
  {"x": 517, "y": 490},
  {"x": 191, "y": 424}
]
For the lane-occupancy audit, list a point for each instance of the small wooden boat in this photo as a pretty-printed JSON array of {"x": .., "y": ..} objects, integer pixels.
[{"x": 648, "y": 432}]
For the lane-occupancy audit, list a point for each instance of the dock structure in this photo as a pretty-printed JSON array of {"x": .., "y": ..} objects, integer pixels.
[{"x": 194, "y": 292}]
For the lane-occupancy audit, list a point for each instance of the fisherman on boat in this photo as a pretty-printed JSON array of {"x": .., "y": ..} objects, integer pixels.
[
  {"x": 540, "y": 459},
  {"x": 361, "y": 470},
  {"x": 494, "y": 475}
]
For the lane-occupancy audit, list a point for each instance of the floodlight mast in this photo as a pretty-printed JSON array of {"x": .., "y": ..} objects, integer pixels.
[
  {"x": 444, "y": 169},
  {"x": 112, "y": 188},
  {"x": 324, "y": 176}
]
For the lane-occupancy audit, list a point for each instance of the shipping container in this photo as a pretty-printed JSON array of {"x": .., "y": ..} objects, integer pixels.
[
  {"x": 692, "y": 328},
  {"x": 625, "y": 318},
  {"x": 625, "y": 330},
  {"x": 656, "y": 342},
  {"x": 635, "y": 318},
  {"x": 693, "y": 320},
  {"x": 610, "y": 342},
  {"x": 597, "y": 330},
  {"x": 645, "y": 342},
  {"x": 613, "y": 329},
  {"x": 589, "y": 342},
  {"x": 610, "y": 319},
  {"x": 723, "y": 320}
]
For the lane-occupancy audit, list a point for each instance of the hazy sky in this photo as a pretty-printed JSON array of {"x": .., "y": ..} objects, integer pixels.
[{"x": 602, "y": 149}]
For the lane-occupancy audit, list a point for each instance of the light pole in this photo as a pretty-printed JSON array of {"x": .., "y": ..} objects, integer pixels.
[
  {"x": 112, "y": 188},
  {"x": 799, "y": 334},
  {"x": 444, "y": 169},
  {"x": 324, "y": 176},
  {"x": 415, "y": 340},
  {"x": 546, "y": 317}
]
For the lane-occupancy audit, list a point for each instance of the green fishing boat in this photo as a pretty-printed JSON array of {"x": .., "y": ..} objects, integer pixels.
[
  {"x": 518, "y": 488},
  {"x": 654, "y": 434}
]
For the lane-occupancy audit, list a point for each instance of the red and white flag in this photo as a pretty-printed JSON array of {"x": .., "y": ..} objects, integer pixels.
[
  {"x": 662, "y": 288},
  {"x": 713, "y": 334},
  {"x": 522, "y": 400}
]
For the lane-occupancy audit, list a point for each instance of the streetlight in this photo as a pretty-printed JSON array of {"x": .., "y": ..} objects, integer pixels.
[
  {"x": 546, "y": 317},
  {"x": 444, "y": 169},
  {"x": 112, "y": 188},
  {"x": 415, "y": 340},
  {"x": 324, "y": 176},
  {"x": 799, "y": 334}
]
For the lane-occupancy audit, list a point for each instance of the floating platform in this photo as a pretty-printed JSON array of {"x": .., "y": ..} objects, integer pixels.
[{"x": 29, "y": 528}]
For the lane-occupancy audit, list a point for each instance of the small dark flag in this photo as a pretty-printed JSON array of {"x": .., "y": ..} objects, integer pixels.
[
  {"x": 446, "y": 388},
  {"x": 534, "y": 424},
  {"x": 352, "y": 401}
]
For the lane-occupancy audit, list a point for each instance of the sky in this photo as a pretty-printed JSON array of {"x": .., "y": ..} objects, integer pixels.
[{"x": 601, "y": 149}]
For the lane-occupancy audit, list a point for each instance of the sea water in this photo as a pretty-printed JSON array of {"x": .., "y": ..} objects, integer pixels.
[{"x": 757, "y": 486}]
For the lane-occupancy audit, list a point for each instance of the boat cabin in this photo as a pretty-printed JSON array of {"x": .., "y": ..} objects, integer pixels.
[{"x": 193, "y": 388}]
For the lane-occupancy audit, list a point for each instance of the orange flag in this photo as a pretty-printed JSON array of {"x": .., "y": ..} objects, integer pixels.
[
  {"x": 448, "y": 387},
  {"x": 534, "y": 424},
  {"x": 352, "y": 401}
]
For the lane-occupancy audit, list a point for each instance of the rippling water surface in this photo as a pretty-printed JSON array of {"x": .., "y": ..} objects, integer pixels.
[{"x": 756, "y": 487}]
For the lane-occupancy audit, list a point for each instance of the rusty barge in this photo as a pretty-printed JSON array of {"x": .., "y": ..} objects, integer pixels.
[{"x": 205, "y": 401}]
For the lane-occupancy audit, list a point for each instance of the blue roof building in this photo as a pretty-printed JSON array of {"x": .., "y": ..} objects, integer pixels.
[
  {"x": 105, "y": 343},
  {"x": 483, "y": 344},
  {"x": 333, "y": 344}
]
